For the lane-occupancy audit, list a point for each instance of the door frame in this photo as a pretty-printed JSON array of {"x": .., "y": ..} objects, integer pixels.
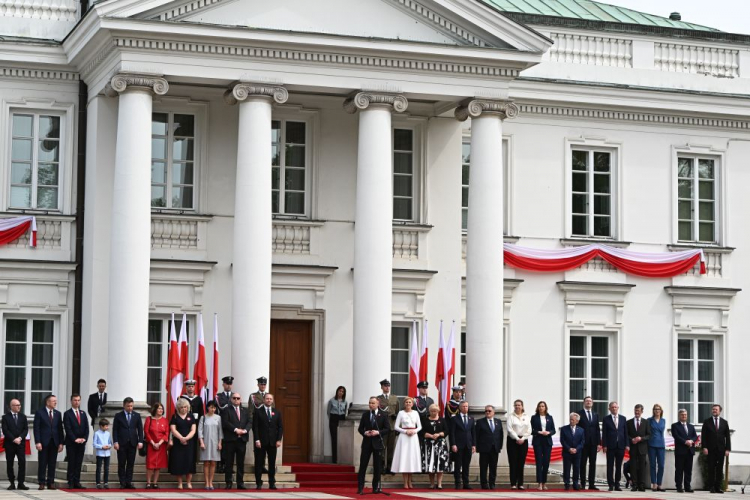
[{"x": 317, "y": 397}]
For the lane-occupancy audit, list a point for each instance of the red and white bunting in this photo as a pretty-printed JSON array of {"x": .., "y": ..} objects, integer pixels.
[{"x": 13, "y": 228}]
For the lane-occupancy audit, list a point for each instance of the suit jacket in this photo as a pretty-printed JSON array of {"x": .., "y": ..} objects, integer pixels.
[
  {"x": 463, "y": 436},
  {"x": 46, "y": 430},
  {"x": 382, "y": 424},
  {"x": 615, "y": 438},
  {"x": 716, "y": 440},
  {"x": 74, "y": 430},
  {"x": 568, "y": 439},
  {"x": 94, "y": 407},
  {"x": 644, "y": 432},
  {"x": 11, "y": 430},
  {"x": 536, "y": 428},
  {"x": 230, "y": 422},
  {"x": 124, "y": 433},
  {"x": 590, "y": 428},
  {"x": 486, "y": 440},
  {"x": 680, "y": 436},
  {"x": 268, "y": 432}
]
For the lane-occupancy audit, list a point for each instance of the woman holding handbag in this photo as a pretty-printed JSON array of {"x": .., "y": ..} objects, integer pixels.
[{"x": 156, "y": 432}]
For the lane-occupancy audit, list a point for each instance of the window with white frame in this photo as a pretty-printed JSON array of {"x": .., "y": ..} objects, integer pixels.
[
  {"x": 696, "y": 199},
  {"x": 35, "y": 170},
  {"x": 465, "y": 170},
  {"x": 173, "y": 161},
  {"x": 158, "y": 349},
  {"x": 592, "y": 188},
  {"x": 590, "y": 370},
  {"x": 28, "y": 362},
  {"x": 403, "y": 174},
  {"x": 400, "y": 337},
  {"x": 696, "y": 376},
  {"x": 289, "y": 167}
]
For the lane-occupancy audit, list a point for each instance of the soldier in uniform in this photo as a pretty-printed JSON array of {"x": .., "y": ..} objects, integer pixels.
[
  {"x": 387, "y": 402},
  {"x": 197, "y": 410},
  {"x": 451, "y": 409},
  {"x": 224, "y": 399},
  {"x": 462, "y": 384},
  {"x": 255, "y": 402},
  {"x": 422, "y": 404}
]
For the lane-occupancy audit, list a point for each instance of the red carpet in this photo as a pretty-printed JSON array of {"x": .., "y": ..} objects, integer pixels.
[
  {"x": 317, "y": 476},
  {"x": 352, "y": 494}
]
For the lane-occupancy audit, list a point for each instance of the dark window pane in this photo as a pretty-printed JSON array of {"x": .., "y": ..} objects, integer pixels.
[
  {"x": 685, "y": 370},
  {"x": 600, "y": 407},
  {"x": 685, "y": 167},
  {"x": 295, "y": 179},
  {"x": 49, "y": 151},
  {"x": 600, "y": 347},
  {"x": 686, "y": 231},
  {"x": 706, "y": 391},
  {"x": 705, "y": 169},
  {"x": 182, "y": 173},
  {"x": 154, "y": 355},
  {"x": 704, "y": 412},
  {"x": 465, "y": 197},
  {"x": 47, "y": 174},
  {"x": 706, "y": 190},
  {"x": 602, "y": 226},
  {"x": 184, "y": 125},
  {"x": 402, "y": 163},
  {"x": 37, "y": 401},
  {"x": 685, "y": 391},
  {"x": 706, "y": 231},
  {"x": 577, "y": 346},
  {"x": 10, "y": 395},
  {"x": 399, "y": 361},
  {"x": 685, "y": 209},
  {"x": 601, "y": 205},
  {"x": 275, "y": 202},
  {"x": 685, "y": 349},
  {"x": 577, "y": 389},
  {"x": 465, "y": 175},
  {"x": 705, "y": 371},
  {"x": 158, "y": 196},
  {"x": 601, "y": 183},
  {"x": 275, "y": 156},
  {"x": 41, "y": 355},
  {"x": 600, "y": 389},
  {"x": 399, "y": 337},
  {"x": 153, "y": 379},
  {"x": 579, "y": 203},
  {"x": 182, "y": 197},
  {"x": 153, "y": 397},
  {"x": 159, "y": 123},
  {"x": 182, "y": 149},
  {"x": 294, "y": 203},
  {"x": 601, "y": 162},
  {"x": 275, "y": 174},
  {"x": 295, "y": 156},
  {"x": 46, "y": 197},
  {"x": 464, "y": 219},
  {"x": 580, "y": 160},
  {"x": 600, "y": 368},
  {"x": 402, "y": 139},
  {"x": 295, "y": 133},
  {"x": 15, "y": 354},
  {"x": 684, "y": 189},
  {"x": 15, "y": 330},
  {"x": 399, "y": 384},
  {"x": 706, "y": 349},
  {"x": 15, "y": 379},
  {"x": 580, "y": 183},
  {"x": 402, "y": 185},
  {"x": 43, "y": 331},
  {"x": 41, "y": 379},
  {"x": 402, "y": 208},
  {"x": 577, "y": 367},
  {"x": 706, "y": 210},
  {"x": 580, "y": 225}
]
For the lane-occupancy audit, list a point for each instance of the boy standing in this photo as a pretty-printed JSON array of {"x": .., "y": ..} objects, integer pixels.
[{"x": 103, "y": 447}]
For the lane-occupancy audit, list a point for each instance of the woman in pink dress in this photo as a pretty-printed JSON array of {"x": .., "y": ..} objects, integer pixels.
[{"x": 156, "y": 431}]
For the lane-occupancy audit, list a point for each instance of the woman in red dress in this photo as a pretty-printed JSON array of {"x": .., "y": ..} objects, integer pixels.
[{"x": 156, "y": 431}]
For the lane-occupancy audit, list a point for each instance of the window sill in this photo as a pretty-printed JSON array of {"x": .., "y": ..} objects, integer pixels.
[
  {"x": 179, "y": 214},
  {"x": 291, "y": 221},
  {"x": 577, "y": 242},
  {"x": 706, "y": 247},
  {"x": 411, "y": 226},
  {"x": 506, "y": 237}
]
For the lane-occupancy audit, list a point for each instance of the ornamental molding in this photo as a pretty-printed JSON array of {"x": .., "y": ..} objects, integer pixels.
[
  {"x": 650, "y": 118},
  {"x": 363, "y": 100},
  {"x": 124, "y": 81},
  {"x": 184, "y": 8},
  {"x": 50, "y": 10},
  {"x": 475, "y": 107},
  {"x": 242, "y": 91},
  {"x": 39, "y": 74},
  {"x": 314, "y": 57},
  {"x": 441, "y": 23}
]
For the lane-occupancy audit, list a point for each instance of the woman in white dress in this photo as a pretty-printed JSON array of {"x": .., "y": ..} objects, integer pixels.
[{"x": 407, "y": 456}]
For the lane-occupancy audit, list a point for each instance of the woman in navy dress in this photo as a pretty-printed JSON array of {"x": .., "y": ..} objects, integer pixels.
[{"x": 182, "y": 455}]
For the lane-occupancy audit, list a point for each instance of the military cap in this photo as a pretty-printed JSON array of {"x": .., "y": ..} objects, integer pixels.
[
  {"x": 262, "y": 380},
  {"x": 423, "y": 385},
  {"x": 385, "y": 381},
  {"x": 228, "y": 379}
]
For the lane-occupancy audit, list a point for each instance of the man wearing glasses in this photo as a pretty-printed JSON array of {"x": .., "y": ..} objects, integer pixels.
[
  {"x": 15, "y": 429},
  {"x": 236, "y": 425}
]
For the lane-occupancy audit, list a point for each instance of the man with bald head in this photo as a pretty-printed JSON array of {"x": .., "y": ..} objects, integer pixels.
[
  {"x": 15, "y": 428},
  {"x": 235, "y": 422}
]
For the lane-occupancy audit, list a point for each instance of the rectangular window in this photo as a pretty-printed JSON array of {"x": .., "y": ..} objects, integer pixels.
[
  {"x": 172, "y": 161},
  {"x": 35, "y": 161},
  {"x": 289, "y": 177},
  {"x": 466, "y": 167},
  {"x": 696, "y": 377},
  {"x": 28, "y": 362},
  {"x": 403, "y": 174},
  {"x": 590, "y": 371},
  {"x": 592, "y": 193},
  {"x": 158, "y": 350},
  {"x": 696, "y": 200},
  {"x": 400, "y": 360}
]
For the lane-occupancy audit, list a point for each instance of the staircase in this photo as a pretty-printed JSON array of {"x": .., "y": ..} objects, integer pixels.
[{"x": 324, "y": 475}]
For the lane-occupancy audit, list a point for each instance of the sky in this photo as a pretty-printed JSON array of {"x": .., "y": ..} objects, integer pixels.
[{"x": 732, "y": 16}]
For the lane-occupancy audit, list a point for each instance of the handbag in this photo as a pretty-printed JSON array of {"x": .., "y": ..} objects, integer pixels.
[{"x": 142, "y": 451}]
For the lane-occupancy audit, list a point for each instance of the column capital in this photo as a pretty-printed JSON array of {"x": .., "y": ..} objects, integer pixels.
[
  {"x": 241, "y": 91},
  {"x": 475, "y": 107},
  {"x": 133, "y": 81},
  {"x": 364, "y": 99}
]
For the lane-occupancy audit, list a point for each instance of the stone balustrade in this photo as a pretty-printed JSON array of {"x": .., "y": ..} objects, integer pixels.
[
  {"x": 593, "y": 50},
  {"x": 713, "y": 61},
  {"x": 178, "y": 231}
]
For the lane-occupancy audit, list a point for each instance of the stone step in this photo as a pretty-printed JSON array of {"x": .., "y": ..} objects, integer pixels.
[{"x": 91, "y": 467}]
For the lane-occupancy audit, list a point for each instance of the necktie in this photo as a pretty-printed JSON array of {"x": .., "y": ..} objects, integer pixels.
[
  {"x": 615, "y": 419},
  {"x": 716, "y": 420},
  {"x": 684, "y": 426},
  {"x": 51, "y": 416},
  {"x": 268, "y": 411},
  {"x": 15, "y": 418},
  {"x": 237, "y": 409},
  {"x": 492, "y": 425},
  {"x": 466, "y": 422},
  {"x": 101, "y": 399},
  {"x": 637, "y": 424},
  {"x": 128, "y": 416},
  {"x": 372, "y": 419},
  {"x": 588, "y": 415},
  {"x": 78, "y": 417}
]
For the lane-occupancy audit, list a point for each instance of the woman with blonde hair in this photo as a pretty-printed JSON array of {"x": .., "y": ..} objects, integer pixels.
[
  {"x": 435, "y": 455},
  {"x": 182, "y": 455},
  {"x": 519, "y": 432},
  {"x": 406, "y": 455},
  {"x": 657, "y": 447}
]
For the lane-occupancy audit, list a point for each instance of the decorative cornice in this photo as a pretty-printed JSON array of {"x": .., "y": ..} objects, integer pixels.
[
  {"x": 56, "y": 10},
  {"x": 476, "y": 107},
  {"x": 314, "y": 57},
  {"x": 441, "y": 23},
  {"x": 634, "y": 116},
  {"x": 122, "y": 81},
  {"x": 185, "y": 8},
  {"x": 365, "y": 99},
  {"x": 39, "y": 74},
  {"x": 241, "y": 91}
]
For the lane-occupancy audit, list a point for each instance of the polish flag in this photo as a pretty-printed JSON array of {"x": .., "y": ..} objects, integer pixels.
[
  {"x": 184, "y": 355},
  {"x": 199, "y": 370},
  {"x": 213, "y": 388},
  {"x": 414, "y": 363},
  {"x": 423, "y": 357},
  {"x": 440, "y": 372},
  {"x": 175, "y": 378},
  {"x": 451, "y": 357}
]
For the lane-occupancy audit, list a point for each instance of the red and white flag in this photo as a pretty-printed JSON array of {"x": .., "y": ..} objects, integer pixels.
[
  {"x": 440, "y": 373},
  {"x": 451, "y": 358},
  {"x": 414, "y": 363},
  {"x": 175, "y": 378},
  {"x": 184, "y": 355},
  {"x": 13, "y": 228},
  {"x": 423, "y": 357},
  {"x": 199, "y": 369},
  {"x": 213, "y": 387}
]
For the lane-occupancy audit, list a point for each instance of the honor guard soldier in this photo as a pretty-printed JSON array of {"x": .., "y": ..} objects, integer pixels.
[
  {"x": 388, "y": 403},
  {"x": 224, "y": 399},
  {"x": 256, "y": 402},
  {"x": 451, "y": 409},
  {"x": 422, "y": 405}
]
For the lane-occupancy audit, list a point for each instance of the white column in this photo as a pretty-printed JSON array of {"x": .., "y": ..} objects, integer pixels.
[
  {"x": 484, "y": 250},
  {"x": 130, "y": 253},
  {"x": 252, "y": 253},
  {"x": 373, "y": 240}
]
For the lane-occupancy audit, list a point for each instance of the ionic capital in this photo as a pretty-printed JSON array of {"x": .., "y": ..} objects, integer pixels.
[
  {"x": 130, "y": 81},
  {"x": 476, "y": 107},
  {"x": 241, "y": 91},
  {"x": 365, "y": 99}
]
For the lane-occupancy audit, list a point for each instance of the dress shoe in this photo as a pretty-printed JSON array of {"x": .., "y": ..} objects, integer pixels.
[
  {"x": 228, "y": 486},
  {"x": 521, "y": 487},
  {"x": 12, "y": 486},
  {"x": 567, "y": 487},
  {"x": 611, "y": 488},
  {"x": 467, "y": 487},
  {"x": 484, "y": 487},
  {"x": 360, "y": 491},
  {"x": 680, "y": 490},
  {"x": 492, "y": 486},
  {"x": 241, "y": 487},
  {"x": 273, "y": 487},
  {"x": 22, "y": 486},
  {"x": 458, "y": 486},
  {"x": 129, "y": 486},
  {"x": 593, "y": 488},
  {"x": 577, "y": 487},
  {"x": 617, "y": 488},
  {"x": 633, "y": 489},
  {"x": 687, "y": 490},
  {"x": 79, "y": 486},
  {"x": 720, "y": 492},
  {"x": 41, "y": 487},
  {"x": 641, "y": 489},
  {"x": 51, "y": 486}
]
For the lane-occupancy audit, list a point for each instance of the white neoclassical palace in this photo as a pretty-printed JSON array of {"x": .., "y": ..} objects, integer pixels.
[{"x": 319, "y": 175}]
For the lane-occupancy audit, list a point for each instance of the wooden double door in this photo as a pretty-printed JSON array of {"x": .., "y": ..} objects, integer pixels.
[{"x": 291, "y": 384}]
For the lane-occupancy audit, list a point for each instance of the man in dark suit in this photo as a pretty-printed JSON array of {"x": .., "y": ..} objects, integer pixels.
[
  {"x": 97, "y": 401},
  {"x": 489, "y": 444},
  {"x": 463, "y": 441},
  {"x": 589, "y": 422},
  {"x": 15, "y": 428},
  {"x": 235, "y": 421},
  {"x": 639, "y": 432},
  {"x": 49, "y": 437},
  {"x": 717, "y": 443},
  {"x": 76, "y": 426},
  {"x": 615, "y": 443},
  {"x": 127, "y": 438},
  {"x": 374, "y": 426},
  {"x": 268, "y": 431},
  {"x": 684, "y": 449},
  {"x": 572, "y": 439}
]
